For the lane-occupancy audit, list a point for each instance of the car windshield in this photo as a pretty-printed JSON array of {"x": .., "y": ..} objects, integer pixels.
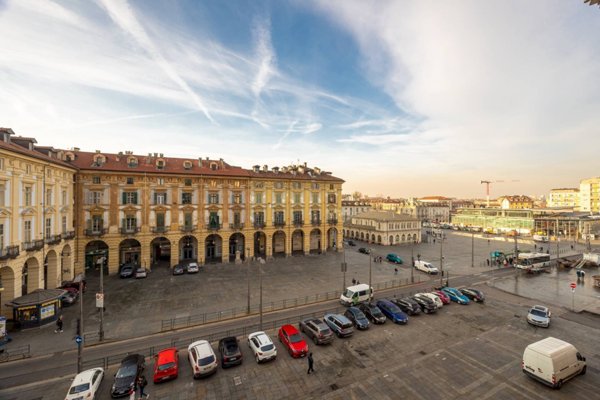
[
  {"x": 393, "y": 308},
  {"x": 295, "y": 338},
  {"x": 325, "y": 331},
  {"x": 348, "y": 293},
  {"x": 267, "y": 347},
  {"x": 126, "y": 371},
  {"x": 538, "y": 313},
  {"x": 166, "y": 366},
  {"x": 79, "y": 388},
  {"x": 207, "y": 360},
  {"x": 376, "y": 312}
]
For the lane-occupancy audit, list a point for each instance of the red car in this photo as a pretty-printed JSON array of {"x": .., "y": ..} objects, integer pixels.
[
  {"x": 443, "y": 296},
  {"x": 293, "y": 340},
  {"x": 166, "y": 365}
]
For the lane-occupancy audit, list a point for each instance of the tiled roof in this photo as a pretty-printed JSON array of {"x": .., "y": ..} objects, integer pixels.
[
  {"x": 33, "y": 153},
  {"x": 384, "y": 216}
]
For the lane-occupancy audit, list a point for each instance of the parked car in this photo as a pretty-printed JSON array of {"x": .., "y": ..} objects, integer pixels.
[
  {"x": 339, "y": 324},
  {"x": 202, "y": 359},
  {"x": 443, "y": 296},
  {"x": 456, "y": 295},
  {"x": 85, "y": 384},
  {"x": 262, "y": 347},
  {"x": 427, "y": 305},
  {"x": 436, "y": 300},
  {"x": 130, "y": 370},
  {"x": 357, "y": 317},
  {"x": 141, "y": 273},
  {"x": 293, "y": 341},
  {"x": 166, "y": 365},
  {"x": 230, "y": 351},
  {"x": 392, "y": 311},
  {"x": 68, "y": 298},
  {"x": 394, "y": 258},
  {"x": 539, "y": 316},
  {"x": 192, "y": 268},
  {"x": 373, "y": 313},
  {"x": 126, "y": 271},
  {"x": 364, "y": 250},
  {"x": 178, "y": 270},
  {"x": 74, "y": 284},
  {"x": 473, "y": 294},
  {"x": 317, "y": 330},
  {"x": 408, "y": 305},
  {"x": 351, "y": 243}
]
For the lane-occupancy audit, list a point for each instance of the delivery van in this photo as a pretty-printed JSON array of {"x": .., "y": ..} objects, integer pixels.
[
  {"x": 426, "y": 267},
  {"x": 552, "y": 361},
  {"x": 355, "y": 294}
]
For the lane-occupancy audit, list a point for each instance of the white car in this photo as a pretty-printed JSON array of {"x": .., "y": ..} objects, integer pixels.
[
  {"x": 85, "y": 385},
  {"x": 141, "y": 273},
  {"x": 202, "y": 359},
  {"x": 432, "y": 297},
  {"x": 426, "y": 267},
  {"x": 262, "y": 346},
  {"x": 192, "y": 268}
]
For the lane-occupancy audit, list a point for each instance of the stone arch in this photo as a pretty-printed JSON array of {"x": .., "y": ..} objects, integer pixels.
[
  {"x": 51, "y": 273},
  {"x": 96, "y": 255},
  {"x": 279, "y": 243},
  {"x": 213, "y": 245},
  {"x": 298, "y": 241},
  {"x": 372, "y": 238},
  {"x": 130, "y": 252},
  {"x": 391, "y": 239},
  {"x": 188, "y": 248},
  {"x": 315, "y": 241},
  {"x": 31, "y": 276},
  {"x": 260, "y": 244},
  {"x": 397, "y": 238},
  {"x": 403, "y": 238},
  {"x": 160, "y": 249},
  {"x": 332, "y": 238},
  {"x": 379, "y": 239},
  {"x": 362, "y": 236},
  {"x": 7, "y": 276},
  {"x": 237, "y": 243},
  {"x": 66, "y": 263}
]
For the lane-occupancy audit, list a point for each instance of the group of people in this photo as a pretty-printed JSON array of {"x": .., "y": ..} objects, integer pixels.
[{"x": 378, "y": 259}]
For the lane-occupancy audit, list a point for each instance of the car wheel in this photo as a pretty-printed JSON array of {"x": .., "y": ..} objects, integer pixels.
[
  {"x": 559, "y": 384},
  {"x": 257, "y": 359},
  {"x": 583, "y": 370}
]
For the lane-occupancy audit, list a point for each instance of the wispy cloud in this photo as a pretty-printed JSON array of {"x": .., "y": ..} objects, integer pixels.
[{"x": 265, "y": 57}]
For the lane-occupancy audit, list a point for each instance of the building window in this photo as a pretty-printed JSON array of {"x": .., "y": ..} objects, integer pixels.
[
  {"x": 96, "y": 223},
  {"x": 237, "y": 218},
  {"x": 160, "y": 164},
  {"x": 259, "y": 217},
  {"x": 27, "y": 231},
  {"x": 160, "y": 198},
  {"x": 278, "y": 198},
  {"x": 314, "y": 186},
  {"x": 130, "y": 180},
  {"x": 213, "y": 219},
  {"x": 48, "y": 227},
  {"x": 259, "y": 185},
  {"x": 214, "y": 166},
  {"x": 213, "y": 198},
  {"x": 96, "y": 180},
  {"x": 132, "y": 162},
  {"x": 297, "y": 217},
  {"x": 297, "y": 198},
  {"x": 279, "y": 217},
  {"x": 331, "y": 198},
  {"x": 129, "y": 197},
  {"x": 1, "y": 236},
  {"x": 186, "y": 198},
  {"x": 95, "y": 197},
  {"x": 315, "y": 216},
  {"x": 187, "y": 182},
  {"x": 2, "y": 195},
  {"x": 160, "y": 220},
  {"x": 187, "y": 220},
  {"x": 160, "y": 181},
  {"x": 236, "y": 198},
  {"x": 28, "y": 195},
  {"x": 315, "y": 198},
  {"x": 48, "y": 197},
  {"x": 64, "y": 224},
  {"x": 64, "y": 197},
  {"x": 28, "y": 169},
  {"x": 296, "y": 185},
  {"x": 130, "y": 223},
  {"x": 187, "y": 165},
  {"x": 1, "y": 164},
  {"x": 331, "y": 186},
  {"x": 258, "y": 197}
]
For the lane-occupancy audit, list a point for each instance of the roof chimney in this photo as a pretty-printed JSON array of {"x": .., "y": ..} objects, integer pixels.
[
  {"x": 265, "y": 168},
  {"x": 256, "y": 168}
]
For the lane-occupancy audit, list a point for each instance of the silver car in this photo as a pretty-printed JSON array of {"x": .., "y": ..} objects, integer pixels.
[{"x": 539, "y": 316}]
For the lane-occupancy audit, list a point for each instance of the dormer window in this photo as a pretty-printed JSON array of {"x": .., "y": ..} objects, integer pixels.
[
  {"x": 160, "y": 164},
  {"x": 187, "y": 165},
  {"x": 214, "y": 166},
  {"x": 69, "y": 156},
  {"x": 132, "y": 162},
  {"x": 99, "y": 160}
]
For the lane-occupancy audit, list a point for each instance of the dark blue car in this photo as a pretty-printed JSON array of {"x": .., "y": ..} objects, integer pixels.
[{"x": 392, "y": 311}]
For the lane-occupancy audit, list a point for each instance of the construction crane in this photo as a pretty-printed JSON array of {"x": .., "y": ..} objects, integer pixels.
[{"x": 487, "y": 188}]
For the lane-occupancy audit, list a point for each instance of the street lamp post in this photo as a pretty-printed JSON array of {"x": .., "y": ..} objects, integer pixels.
[
  {"x": 412, "y": 262},
  {"x": 101, "y": 330},
  {"x": 344, "y": 268},
  {"x": 370, "y": 259},
  {"x": 261, "y": 262},
  {"x": 472, "y": 249},
  {"x": 248, "y": 277},
  {"x": 442, "y": 259}
]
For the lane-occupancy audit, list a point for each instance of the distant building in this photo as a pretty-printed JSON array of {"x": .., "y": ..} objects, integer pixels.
[
  {"x": 435, "y": 199},
  {"x": 384, "y": 228},
  {"x": 589, "y": 195},
  {"x": 353, "y": 207},
  {"x": 564, "y": 197},
  {"x": 516, "y": 202},
  {"x": 495, "y": 220}
]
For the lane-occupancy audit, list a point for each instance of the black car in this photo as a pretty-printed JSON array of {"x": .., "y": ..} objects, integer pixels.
[
  {"x": 178, "y": 270},
  {"x": 126, "y": 271},
  {"x": 408, "y": 305},
  {"x": 373, "y": 313},
  {"x": 473, "y": 294},
  {"x": 427, "y": 305},
  {"x": 131, "y": 368},
  {"x": 231, "y": 355},
  {"x": 357, "y": 317},
  {"x": 351, "y": 243},
  {"x": 364, "y": 250}
]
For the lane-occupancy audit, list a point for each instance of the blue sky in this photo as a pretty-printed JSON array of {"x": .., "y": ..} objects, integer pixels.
[{"x": 399, "y": 98}]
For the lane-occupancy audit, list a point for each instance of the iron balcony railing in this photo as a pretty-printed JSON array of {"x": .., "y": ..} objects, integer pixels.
[
  {"x": 316, "y": 222},
  {"x": 237, "y": 226},
  {"x": 9, "y": 252},
  {"x": 259, "y": 225},
  {"x": 53, "y": 239},
  {"x": 214, "y": 226},
  {"x": 131, "y": 230},
  {"x": 33, "y": 245},
  {"x": 279, "y": 224},
  {"x": 188, "y": 228},
  {"x": 298, "y": 222},
  {"x": 68, "y": 235},
  {"x": 96, "y": 232},
  {"x": 332, "y": 221},
  {"x": 159, "y": 229}
]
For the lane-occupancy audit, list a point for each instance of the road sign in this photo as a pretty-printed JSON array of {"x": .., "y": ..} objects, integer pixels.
[
  {"x": 78, "y": 339},
  {"x": 573, "y": 285},
  {"x": 100, "y": 300}
]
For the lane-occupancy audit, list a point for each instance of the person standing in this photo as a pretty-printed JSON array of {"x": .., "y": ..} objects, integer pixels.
[
  {"x": 310, "y": 363},
  {"x": 59, "y": 324},
  {"x": 142, "y": 382},
  {"x": 396, "y": 271}
]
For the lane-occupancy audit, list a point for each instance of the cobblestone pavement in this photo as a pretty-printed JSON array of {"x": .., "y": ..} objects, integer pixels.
[{"x": 461, "y": 352}]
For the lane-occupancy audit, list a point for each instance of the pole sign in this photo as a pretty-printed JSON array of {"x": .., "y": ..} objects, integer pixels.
[
  {"x": 78, "y": 339},
  {"x": 573, "y": 285},
  {"x": 100, "y": 300}
]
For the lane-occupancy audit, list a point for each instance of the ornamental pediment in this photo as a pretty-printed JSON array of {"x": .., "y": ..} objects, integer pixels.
[
  {"x": 188, "y": 208},
  {"x": 5, "y": 212},
  {"x": 50, "y": 210},
  {"x": 64, "y": 209},
  {"x": 28, "y": 211},
  {"x": 130, "y": 208}
]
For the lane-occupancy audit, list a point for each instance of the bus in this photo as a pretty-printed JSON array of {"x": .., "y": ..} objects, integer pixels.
[{"x": 532, "y": 261}]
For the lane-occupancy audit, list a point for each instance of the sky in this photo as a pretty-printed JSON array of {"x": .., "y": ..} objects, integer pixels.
[{"x": 398, "y": 98}]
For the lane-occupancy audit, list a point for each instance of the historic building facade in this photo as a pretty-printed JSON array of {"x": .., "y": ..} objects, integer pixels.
[
  {"x": 353, "y": 207},
  {"x": 36, "y": 218},
  {"x": 383, "y": 227}
]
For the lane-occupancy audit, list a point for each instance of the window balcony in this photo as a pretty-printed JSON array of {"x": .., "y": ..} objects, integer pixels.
[
  {"x": 9, "y": 252},
  {"x": 33, "y": 245},
  {"x": 332, "y": 221},
  {"x": 214, "y": 227},
  {"x": 68, "y": 235},
  {"x": 53, "y": 239},
  {"x": 298, "y": 223},
  {"x": 131, "y": 230},
  {"x": 279, "y": 224},
  {"x": 236, "y": 226},
  {"x": 187, "y": 228},
  {"x": 259, "y": 224},
  {"x": 159, "y": 229},
  {"x": 316, "y": 222},
  {"x": 96, "y": 232}
]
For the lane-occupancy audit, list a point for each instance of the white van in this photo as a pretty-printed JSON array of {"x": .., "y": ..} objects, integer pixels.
[
  {"x": 552, "y": 362},
  {"x": 355, "y": 294},
  {"x": 426, "y": 267}
]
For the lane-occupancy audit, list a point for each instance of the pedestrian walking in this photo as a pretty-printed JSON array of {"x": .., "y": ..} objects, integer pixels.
[
  {"x": 310, "y": 363},
  {"x": 59, "y": 324},
  {"x": 353, "y": 281},
  {"x": 571, "y": 247},
  {"x": 395, "y": 271},
  {"x": 142, "y": 382},
  {"x": 488, "y": 262},
  {"x": 535, "y": 246},
  {"x": 433, "y": 240}
]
